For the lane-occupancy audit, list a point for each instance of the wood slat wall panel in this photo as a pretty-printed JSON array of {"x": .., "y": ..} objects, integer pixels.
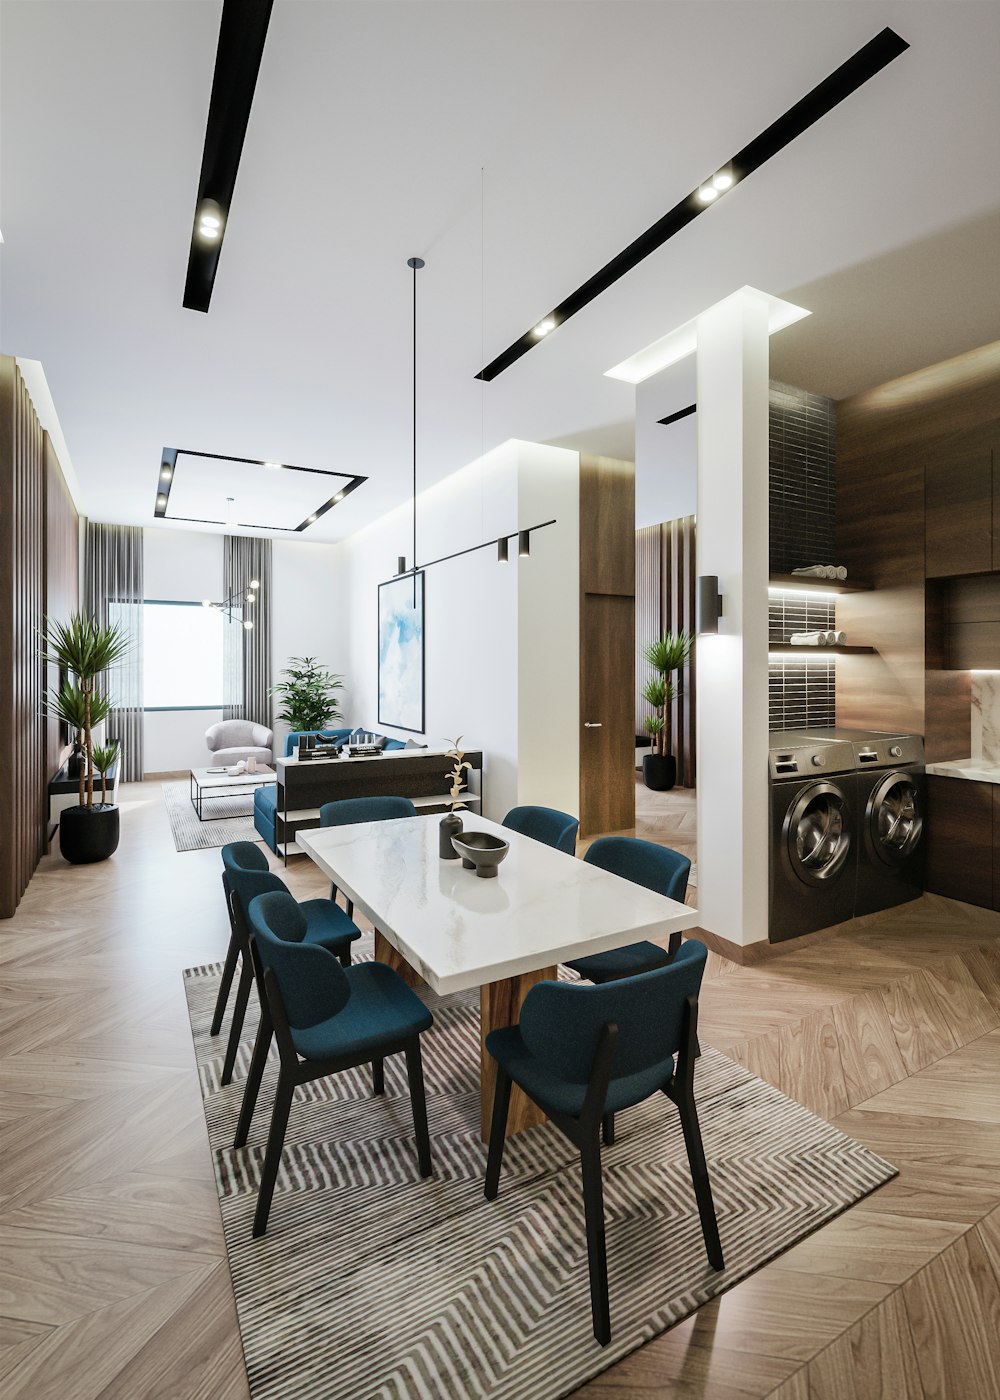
[
  {"x": 665, "y": 601},
  {"x": 62, "y": 580},
  {"x": 23, "y": 772}
]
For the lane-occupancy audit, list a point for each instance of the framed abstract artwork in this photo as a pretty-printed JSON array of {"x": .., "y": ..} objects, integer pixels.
[{"x": 401, "y": 653}]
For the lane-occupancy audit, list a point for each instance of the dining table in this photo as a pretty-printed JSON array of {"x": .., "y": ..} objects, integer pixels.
[{"x": 442, "y": 925}]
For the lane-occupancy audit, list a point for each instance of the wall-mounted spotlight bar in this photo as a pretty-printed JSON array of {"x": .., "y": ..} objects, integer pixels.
[
  {"x": 502, "y": 543},
  {"x": 681, "y": 413},
  {"x": 708, "y": 605},
  {"x": 237, "y": 63},
  {"x": 858, "y": 69}
]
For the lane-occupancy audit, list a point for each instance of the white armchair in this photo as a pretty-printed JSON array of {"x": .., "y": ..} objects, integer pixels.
[{"x": 233, "y": 739}]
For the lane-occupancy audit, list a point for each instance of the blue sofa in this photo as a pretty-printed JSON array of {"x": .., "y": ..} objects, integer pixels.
[{"x": 265, "y": 799}]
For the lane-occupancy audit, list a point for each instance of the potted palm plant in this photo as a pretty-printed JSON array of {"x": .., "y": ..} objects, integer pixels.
[
  {"x": 308, "y": 697},
  {"x": 84, "y": 650},
  {"x": 665, "y": 655}
]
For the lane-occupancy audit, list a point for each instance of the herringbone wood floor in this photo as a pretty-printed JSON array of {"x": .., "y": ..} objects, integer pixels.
[{"x": 113, "y": 1277}]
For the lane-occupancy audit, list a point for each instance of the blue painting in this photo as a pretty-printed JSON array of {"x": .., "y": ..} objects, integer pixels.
[{"x": 401, "y": 653}]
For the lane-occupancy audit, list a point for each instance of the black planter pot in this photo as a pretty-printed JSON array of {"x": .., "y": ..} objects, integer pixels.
[
  {"x": 659, "y": 771},
  {"x": 86, "y": 837}
]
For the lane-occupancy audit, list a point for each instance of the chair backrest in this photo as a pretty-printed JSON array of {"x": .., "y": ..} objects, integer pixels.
[
  {"x": 236, "y": 734},
  {"x": 311, "y": 981},
  {"x": 247, "y": 875},
  {"x": 644, "y": 863},
  {"x": 561, "y": 1022},
  {"x": 545, "y": 824},
  {"x": 365, "y": 809}
]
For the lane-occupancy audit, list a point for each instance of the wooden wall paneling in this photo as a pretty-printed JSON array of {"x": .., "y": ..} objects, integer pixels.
[
  {"x": 62, "y": 579},
  {"x": 960, "y": 840},
  {"x": 958, "y": 505},
  {"x": 947, "y": 691},
  {"x": 607, "y": 645},
  {"x": 996, "y": 846},
  {"x": 23, "y": 780}
]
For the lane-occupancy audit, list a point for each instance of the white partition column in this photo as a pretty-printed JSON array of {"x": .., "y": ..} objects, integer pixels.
[{"x": 732, "y": 543}]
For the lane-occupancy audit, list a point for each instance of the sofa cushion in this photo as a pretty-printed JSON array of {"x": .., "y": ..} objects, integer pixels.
[{"x": 265, "y": 799}]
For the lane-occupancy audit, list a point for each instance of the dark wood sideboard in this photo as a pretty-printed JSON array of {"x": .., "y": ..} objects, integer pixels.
[{"x": 422, "y": 775}]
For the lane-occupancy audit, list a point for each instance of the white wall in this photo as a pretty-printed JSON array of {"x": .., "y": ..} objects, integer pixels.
[
  {"x": 666, "y": 455},
  {"x": 307, "y": 619},
  {"x": 501, "y": 642}
]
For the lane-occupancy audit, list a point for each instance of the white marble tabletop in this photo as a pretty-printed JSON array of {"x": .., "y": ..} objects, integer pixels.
[
  {"x": 973, "y": 770},
  {"x": 460, "y": 931}
]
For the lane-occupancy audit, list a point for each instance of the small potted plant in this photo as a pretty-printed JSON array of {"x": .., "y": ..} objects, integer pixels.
[
  {"x": 451, "y": 824},
  {"x": 666, "y": 655},
  {"x": 308, "y": 697},
  {"x": 84, "y": 650}
]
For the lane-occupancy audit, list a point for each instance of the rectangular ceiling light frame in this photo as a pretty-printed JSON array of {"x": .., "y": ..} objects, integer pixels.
[
  {"x": 168, "y": 470},
  {"x": 863, "y": 65}
]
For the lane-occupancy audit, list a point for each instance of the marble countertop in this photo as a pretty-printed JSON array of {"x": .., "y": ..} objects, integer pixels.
[
  {"x": 459, "y": 931},
  {"x": 973, "y": 770}
]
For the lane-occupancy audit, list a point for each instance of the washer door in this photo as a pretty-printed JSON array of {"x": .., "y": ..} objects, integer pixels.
[
  {"x": 817, "y": 833},
  {"x": 895, "y": 817}
]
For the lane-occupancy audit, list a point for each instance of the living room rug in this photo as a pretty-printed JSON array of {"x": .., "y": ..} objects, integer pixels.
[
  {"x": 231, "y": 819},
  {"x": 371, "y": 1282}
]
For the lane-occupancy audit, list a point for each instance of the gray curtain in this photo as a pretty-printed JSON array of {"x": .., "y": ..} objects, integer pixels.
[
  {"x": 113, "y": 594},
  {"x": 248, "y": 653}
]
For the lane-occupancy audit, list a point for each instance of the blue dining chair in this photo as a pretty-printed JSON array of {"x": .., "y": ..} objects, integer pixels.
[
  {"x": 363, "y": 809},
  {"x": 328, "y": 1018},
  {"x": 545, "y": 824},
  {"x": 644, "y": 863},
  {"x": 245, "y": 875},
  {"x": 583, "y": 1054}
]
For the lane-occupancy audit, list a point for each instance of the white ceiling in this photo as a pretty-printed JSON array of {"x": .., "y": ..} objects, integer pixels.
[{"x": 370, "y": 129}]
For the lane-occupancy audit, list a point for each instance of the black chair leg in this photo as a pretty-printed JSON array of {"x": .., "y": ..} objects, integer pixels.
[
  {"x": 608, "y": 1128},
  {"x": 252, "y": 1088},
  {"x": 239, "y": 1012},
  {"x": 333, "y": 893},
  {"x": 272, "y": 1159},
  {"x": 378, "y": 1076},
  {"x": 700, "y": 1180},
  {"x": 597, "y": 1258},
  {"x": 350, "y": 908},
  {"x": 498, "y": 1131},
  {"x": 228, "y": 972},
  {"x": 415, "y": 1075},
  {"x": 345, "y": 956}
]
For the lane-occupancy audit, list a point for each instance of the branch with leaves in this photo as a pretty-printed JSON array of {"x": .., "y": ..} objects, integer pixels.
[
  {"x": 457, "y": 754},
  {"x": 308, "y": 696}
]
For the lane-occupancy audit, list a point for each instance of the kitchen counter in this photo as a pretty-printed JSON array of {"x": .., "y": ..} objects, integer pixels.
[{"x": 973, "y": 770}]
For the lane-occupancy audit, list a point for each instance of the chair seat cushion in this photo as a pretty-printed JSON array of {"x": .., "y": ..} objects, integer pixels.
[
  {"x": 621, "y": 962},
  {"x": 380, "y": 1012},
  {"x": 265, "y": 799},
  {"x": 327, "y": 924},
  {"x": 558, "y": 1095},
  {"x": 231, "y": 756}
]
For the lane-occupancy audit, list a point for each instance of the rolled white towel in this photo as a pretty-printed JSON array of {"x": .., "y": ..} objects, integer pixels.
[
  {"x": 838, "y": 639},
  {"x": 808, "y": 639},
  {"x": 841, "y": 572},
  {"x": 811, "y": 571}
]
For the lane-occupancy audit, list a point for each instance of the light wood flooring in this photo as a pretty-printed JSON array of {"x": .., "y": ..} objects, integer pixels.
[{"x": 113, "y": 1276}]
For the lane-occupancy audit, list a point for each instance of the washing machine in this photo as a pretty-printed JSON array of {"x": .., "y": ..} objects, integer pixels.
[
  {"x": 892, "y": 803},
  {"x": 813, "y": 832}
]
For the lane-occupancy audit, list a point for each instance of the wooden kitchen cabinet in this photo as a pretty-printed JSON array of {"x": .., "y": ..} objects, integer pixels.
[
  {"x": 960, "y": 507},
  {"x": 960, "y": 846}
]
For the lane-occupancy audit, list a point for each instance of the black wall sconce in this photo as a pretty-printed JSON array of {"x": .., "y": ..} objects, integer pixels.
[{"x": 708, "y": 605}]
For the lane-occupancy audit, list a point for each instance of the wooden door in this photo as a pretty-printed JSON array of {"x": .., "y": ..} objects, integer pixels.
[
  {"x": 607, "y": 714},
  {"x": 958, "y": 503}
]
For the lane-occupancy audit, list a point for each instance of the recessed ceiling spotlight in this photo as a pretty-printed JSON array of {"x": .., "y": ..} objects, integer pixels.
[
  {"x": 165, "y": 473},
  {"x": 311, "y": 519},
  {"x": 544, "y": 327},
  {"x": 706, "y": 193},
  {"x": 273, "y": 466},
  {"x": 339, "y": 496},
  {"x": 161, "y": 499},
  {"x": 722, "y": 179}
]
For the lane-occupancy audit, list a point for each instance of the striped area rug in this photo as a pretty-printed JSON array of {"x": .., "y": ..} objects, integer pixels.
[
  {"x": 227, "y": 819},
  {"x": 373, "y": 1283}
]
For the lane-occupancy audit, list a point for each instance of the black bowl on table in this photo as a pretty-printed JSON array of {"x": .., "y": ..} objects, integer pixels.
[{"x": 480, "y": 851}]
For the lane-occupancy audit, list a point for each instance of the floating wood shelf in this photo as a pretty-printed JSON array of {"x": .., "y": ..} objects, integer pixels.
[
  {"x": 820, "y": 651},
  {"x": 817, "y": 585}
]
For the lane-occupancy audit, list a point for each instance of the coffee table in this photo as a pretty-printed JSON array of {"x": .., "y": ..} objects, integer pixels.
[
  {"x": 438, "y": 923},
  {"x": 205, "y": 786}
]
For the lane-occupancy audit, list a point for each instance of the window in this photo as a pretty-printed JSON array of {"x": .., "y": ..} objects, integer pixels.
[{"x": 184, "y": 649}]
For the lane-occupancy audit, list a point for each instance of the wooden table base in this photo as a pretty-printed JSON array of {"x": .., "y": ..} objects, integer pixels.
[{"x": 500, "y": 1005}]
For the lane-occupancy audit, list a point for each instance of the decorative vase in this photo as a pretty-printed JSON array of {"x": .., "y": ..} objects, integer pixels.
[
  {"x": 87, "y": 835},
  {"x": 450, "y": 826},
  {"x": 659, "y": 771}
]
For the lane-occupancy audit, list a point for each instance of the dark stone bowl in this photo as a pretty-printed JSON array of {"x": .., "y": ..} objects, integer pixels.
[{"x": 480, "y": 851}]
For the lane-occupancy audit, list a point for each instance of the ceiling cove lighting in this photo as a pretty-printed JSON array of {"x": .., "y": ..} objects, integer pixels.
[
  {"x": 173, "y": 458},
  {"x": 237, "y": 62},
  {"x": 863, "y": 65}
]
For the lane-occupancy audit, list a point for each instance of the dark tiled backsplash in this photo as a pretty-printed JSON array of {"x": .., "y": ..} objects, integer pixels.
[{"x": 802, "y": 497}]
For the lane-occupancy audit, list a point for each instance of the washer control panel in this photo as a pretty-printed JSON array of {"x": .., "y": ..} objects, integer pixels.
[{"x": 809, "y": 759}]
